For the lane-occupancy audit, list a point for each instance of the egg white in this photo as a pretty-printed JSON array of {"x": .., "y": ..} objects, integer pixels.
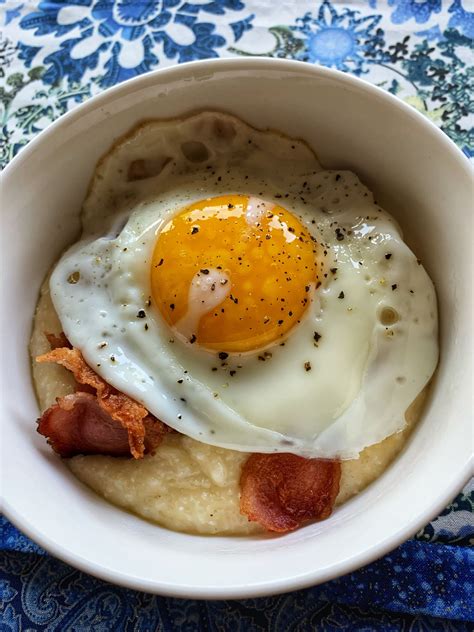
[{"x": 326, "y": 395}]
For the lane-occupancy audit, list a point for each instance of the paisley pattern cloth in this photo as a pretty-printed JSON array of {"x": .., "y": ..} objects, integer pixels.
[{"x": 55, "y": 54}]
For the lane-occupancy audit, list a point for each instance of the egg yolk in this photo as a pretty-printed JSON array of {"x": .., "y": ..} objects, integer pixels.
[{"x": 233, "y": 273}]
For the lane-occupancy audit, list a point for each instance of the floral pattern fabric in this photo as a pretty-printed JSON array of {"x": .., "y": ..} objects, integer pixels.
[{"x": 55, "y": 54}]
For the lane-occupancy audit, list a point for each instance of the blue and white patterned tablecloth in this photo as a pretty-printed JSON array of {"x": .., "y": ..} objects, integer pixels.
[{"x": 56, "y": 54}]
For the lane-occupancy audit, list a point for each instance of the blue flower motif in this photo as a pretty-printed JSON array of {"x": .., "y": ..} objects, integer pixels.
[
  {"x": 432, "y": 34},
  {"x": 461, "y": 19},
  {"x": 338, "y": 39},
  {"x": 12, "y": 13},
  {"x": 419, "y": 9},
  {"x": 133, "y": 35}
]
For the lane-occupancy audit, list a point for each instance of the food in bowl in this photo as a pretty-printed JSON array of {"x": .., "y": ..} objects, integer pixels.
[{"x": 250, "y": 327}]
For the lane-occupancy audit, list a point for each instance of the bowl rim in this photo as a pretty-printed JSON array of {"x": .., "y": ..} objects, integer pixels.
[
  {"x": 147, "y": 78},
  {"x": 280, "y": 585},
  {"x": 277, "y": 587}
]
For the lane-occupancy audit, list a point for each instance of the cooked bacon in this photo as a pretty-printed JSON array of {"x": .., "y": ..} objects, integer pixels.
[
  {"x": 282, "y": 491},
  {"x": 78, "y": 425},
  {"x": 130, "y": 415},
  {"x": 58, "y": 340}
]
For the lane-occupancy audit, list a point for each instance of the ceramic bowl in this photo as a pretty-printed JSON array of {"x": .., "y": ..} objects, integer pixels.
[{"x": 417, "y": 173}]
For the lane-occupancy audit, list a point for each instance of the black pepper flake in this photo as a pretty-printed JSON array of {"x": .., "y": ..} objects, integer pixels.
[
  {"x": 192, "y": 340},
  {"x": 194, "y": 230},
  {"x": 232, "y": 373},
  {"x": 338, "y": 177},
  {"x": 261, "y": 358},
  {"x": 280, "y": 322},
  {"x": 204, "y": 271},
  {"x": 160, "y": 263},
  {"x": 341, "y": 295},
  {"x": 180, "y": 417},
  {"x": 180, "y": 381},
  {"x": 223, "y": 355},
  {"x": 141, "y": 313},
  {"x": 112, "y": 358},
  {"x": 148, "y": 302},
  {"x": 388, "y": 255},
  {"x": 214, "y": 368},
  {"x": 394, "y": 286},
  {"x": 182, "y": 399},
  {"x": 318, "y": 284},
  {"x": 339, "y": 235},
  {"x": 307, "y": 288},
  {"x": 333, "y": 270},
  {"x": 230, "y": 206},
  {"x": 146, "y": 327},
  {"x": 172, "y": 305},
  {"x": 316, "y": 336},
  {"x": 307, "y": 366}
]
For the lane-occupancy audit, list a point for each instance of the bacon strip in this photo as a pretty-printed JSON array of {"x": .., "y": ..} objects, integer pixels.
[
  {"x": 58, "y": 340},
  {"x": 78, "y": 425},
  {"x": 132, "y": 416},
  {"x": 282, "y": 491}
]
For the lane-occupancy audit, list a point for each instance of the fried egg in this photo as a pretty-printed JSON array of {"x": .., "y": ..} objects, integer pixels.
[{"x": 247, "y": 297}]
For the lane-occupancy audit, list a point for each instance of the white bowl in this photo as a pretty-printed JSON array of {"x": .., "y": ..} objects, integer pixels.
[{"x": 417, "y": 173}]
